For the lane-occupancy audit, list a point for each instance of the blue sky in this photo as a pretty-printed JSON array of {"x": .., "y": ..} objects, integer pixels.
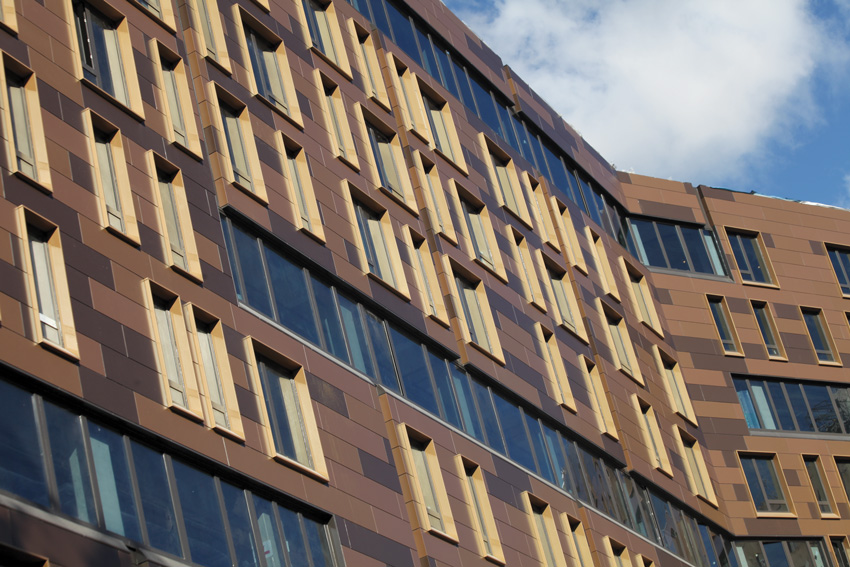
[{"x": 752, "y": 95}]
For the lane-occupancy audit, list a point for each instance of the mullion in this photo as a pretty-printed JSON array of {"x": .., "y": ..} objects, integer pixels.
[
  {"x": 180, "y": 526},
  {"x": 225, "y": 520},
  {"x": 278, "y": 524},
  {"x": 255, "y": 528},
  {"x": 137, "y": 496},
  {"x": 98, "y": 509},
  {"x": 44, "y": 438}
]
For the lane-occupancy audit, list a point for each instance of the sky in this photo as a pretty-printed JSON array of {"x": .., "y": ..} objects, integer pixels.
[{"x": 751, "y": 95}]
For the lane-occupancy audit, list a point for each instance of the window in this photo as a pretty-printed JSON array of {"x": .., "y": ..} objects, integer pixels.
[
  {"x": 112, "y": 181},
  {"x": 675, "y": 247},
  {"x": 434, "y": 197},
  {"x": 841, "y": 551},
  {"x": 389, "y": 164},
  {"x": 695, "y": 468},
  {"x": 370, "y": 66},
  {"x": 618, "y": 338},
  {"x": 545, "y": 533},
  {"x": 177, "y": 233},
  {"x": 641, "y": 296},
  {"x": 235, "y": 145},
  {"x": 555, "y": 369},
  {"x": 8, "y": 16},
  {"x": 525, "y": 269},
  {"x": 677, "y": 390},
  {"x": 820, "y": 335},
  {"x": 540, "y": 210},
  {"x": 374, "y": 237},
  {"x": 291, "y": 435},
  {"x": 178, "y": 102},
  {"x": 106, "y": 55},
  {"x": 750, "y": 257},
  {"x": 324, "y": 34},
  {"x": 49, "y": 297},
  {"x": 797, "y": 552},
  {"x": 473, "y": 311},
  {"x": 569, "y": 238},
  {"x": 418, "y": 460},
  {"x": 840, "y": 258},
  {"x": 172, "y": 350},
  {"x": 212, "y": 43},
  {"x": 822, "y": 494},
  {"x": 432, "y": 297},
  {"x": 603, "y": 266},
  {"x": 767, "y": 326},
  {"x": 619, "y": 554},
  {"x": 296, "y": 170},
  {"x": 22, "y": 123},
  {"x": 763, "y": 480},
  {"x": 439, "y": 124},
  {"x": 723, "y": 323},
  {"x": 478, "y": 501},
  {"x": 843, "y": 466},
  {"x": 563, "y": 298},
  {"x": 598, "y": 397},
  {"x": 577, "y": 542},
  {"x": 503, "y": 180},
  {"x": 478, "y": 231},
  {"x": 652, "y": 436},
  {"x": 337, "y": 123}
]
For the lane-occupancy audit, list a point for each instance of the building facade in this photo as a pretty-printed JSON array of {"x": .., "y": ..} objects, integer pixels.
[{"x": 324, "y": 283}]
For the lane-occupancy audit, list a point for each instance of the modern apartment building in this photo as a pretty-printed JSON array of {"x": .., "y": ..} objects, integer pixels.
[{"x": 321, "y": 283}]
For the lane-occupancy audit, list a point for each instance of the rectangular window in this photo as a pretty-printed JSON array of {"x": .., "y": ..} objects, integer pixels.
[
  {"x": 479, "y": 230},
  {"x": 750, "y": 257},
  {"x": 603, "y": 265},
  {"x": 165, "y": 313},
  {"x": 172, "y": 95},
  {"x": 820, "y": 489},
  {"x": 540, "y": 210},
  {"x": 431, "y": 190},
  {"x": 598, "y": 397},
  {"x": 619, "y": 554},
  {"x": 569, "y": 238},
  {"x": 209, "y": 20},
  {"x": 843, "y": 466},
  {"x": 108, "y": 179},
  {"x": 767, "y": 326},
  {"x": 319, "y": 26},
  {"x": 695, "y": 468},
  {"x": 675, "y": 247},
  {"x": 723, "y": 323},
  {"x": 577, "y": 542},
  {"x": 478, "y": 501},
  {"x": 371, "y": 227},
  {"x": 439, "y": 128},
  {"x": 386, "y": 162},
  {"x": 676, "y": 388},
  {"x": 472, "y": 312},
  {"x": 235, "y": 139},
  {"x": 296, "y": 171},
  {"x": 337, "y": 123},
  {"x": 563, "y": 295},
  {"x": 22, "y": 123},
  {"x": 841, "y": 551},
  {"x": 764, "y": 483},
  {"x": 525, "y": 269},
  {"x": 370, "y": 66},
  {"x": 181, "y": 251},
  {"x": 820, "y": 335},
  {"x": 618, "y": 335},
  {"x": 100, "y": 51},
  {"x": 641, "y": 296},
  {"x": 504, "y": 181},
  {"x": 432, "y": 297},
  {"x": 555, "y": 368},
  {"x": 840, "y": 258},
  {"x": 652, "y": 436},
  {"x": 265, "y": 65},
  {"x": 545, "y": 533},
  {"x": 426, "y": 484}
]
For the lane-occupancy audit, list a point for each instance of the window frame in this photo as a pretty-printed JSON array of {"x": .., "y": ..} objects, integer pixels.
[
  {"x": 449, "y": 148},
  {"x": 777, "y": 475},
  {"x": 723, "y": 317},
  {"x": 299, "y": 184},
  {"x": 759, "y": 249},
  {"x": 842, "y": 261},
  {"x": 477, "y": 500},
  {"x": 598, "y": 397},
  {"x": 831, "y": 510},
  {"x": 121, "y": 178},
  {"x": 696, "y": 471},
  {"x": 541, "y": 210},
  {"x": 556, "y": 371},
  {"x": 603, "y": 264},
  {"x": 8, "y": 16},
  {"x": 493, "y": 348},
  {"x": 526, "y": 268},
  {"x": 254, "y": 349},
  {"x": 577, "y": 541},
  {"x": 567, "y": 299},
  {"x": 651, "y": 434},
  {"x": 676, "y": 388},
  {"x": 823, "y": 328},
  {"x": 432, "y": 197},
  {"x": 544, "y": 520},
  {"x": 68, "y": 345},
  {"x": 371, "y": 127},
  {"x": 217, "y": 53},
  {"x": 427, "y": 279},
  {"x": 339, "y": 58},
  {"x": 496, "y": 160},
  {"x": 41, "y": 177},
  {"x": 768, "y": 327},
  {"x": 369, "y": 63},
  {"x": 640, "y": 295},
  {"x": 622, "y": 347},
  {"x": 159, "y": 54},
  {"x": 157, "y": 167},
  {"x": 469, "y": 205},
  {"x": 568, "y": 235}
]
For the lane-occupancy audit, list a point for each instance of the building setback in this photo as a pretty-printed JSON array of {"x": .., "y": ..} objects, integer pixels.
[{"x": 297, "y": 283}]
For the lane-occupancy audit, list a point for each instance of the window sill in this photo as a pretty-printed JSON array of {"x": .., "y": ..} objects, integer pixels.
[
  {"x": 383, "y": 102},
  {"x": 710, "y": 502},
  {"x": 317, "y": 235},
  {"x": 180, "y": 410},
  {"x": 60, "y": 350},
  {"x": 139, "y": 114},
  {"x": 224, "y": 66},
  {"x": 413, "y": 129},
  {"x": 228, "y": 433},
  {"x": 492, "y": 269},
  {"x": 829, "y": 363},
  {"x": 768, "y": 285},
  {"x": 666, "y": 472},
  {"x": 442, "y": 321},
  {"x": 194, "y": 153},
  {"x": 497, "y": 357},
  {"x": 777, "y": 358},
  {"x": 401, "y": 293},
  {"x": 40, "y": 185},
  {"x": 569, "y": 406},
  {"x": 131, "y": 240},
  {"x": 495, "y": 560},
  {"x": 260, "y": 198},
  {"x": 686, "y": 417},
  {"x": 829, "y": 516},
  {"x": 778, "y": 515},
  {"x": 197, "y": 278},
  {"x": 340, "y": 69},
  {"x": 300, "y": 467},
  {"x": 652, "y": 328},
  {"x": 450, "y": 238},
  {"x": 443, "y": 535},
  {"x": 352, "y": 163},
  {"x": 295, "y": 120},
  {"x": 458, "y": 166},
  {"x": 733, "y": 354},
  {"x": 541, "y": 306},
  {"x": 637, "y": 378},
  {"x": 526, "y": 222},
  {"x": 574, "y": 332},
  {"x": 400, "y": 200},
  {"x": 611, "y": 434},
  {"x": 10, "y": 29}
]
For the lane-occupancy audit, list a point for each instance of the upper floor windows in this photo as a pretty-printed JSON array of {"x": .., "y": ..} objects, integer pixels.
[
  {"x": 641, "y": 296},
  {"x": 696, "y": 471},
  {"x": 504, "y": 181},
  {"x": 763, "y": 479},
  {"x": 22, "y": 124},
  {"x": 676, "y": 388},
  {"x": 840, "y": 258},
  {"x": 478, "y": 230},
  {"x": 675, "y": 246},
  {"x": 819, "y": 334},
  {"x": 620, "y": 342},
  {"x": 370, "y": 66},
  {"x": 478, "y": 501},
  {"x": 336, "y": 118},
  {"x": 324, "y": 33},
  {"x": 543, "y": 528},
  {"x": 296, "y": 170},
  {"x": 723, "y": 324},
  {"x": 652, "y": 436},
  {"x": 750, "y": 257},
  {"x": 767, "y": 326},
  {"x": 212, "y": 43},
  {"x": 823, "y": 496},
  {"x": 373, "y": 237}
]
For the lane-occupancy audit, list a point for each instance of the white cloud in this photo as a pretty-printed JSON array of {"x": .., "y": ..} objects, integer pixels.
[
  {"x": 687, "y": 89},
  {"x": 844, "y": 199}
]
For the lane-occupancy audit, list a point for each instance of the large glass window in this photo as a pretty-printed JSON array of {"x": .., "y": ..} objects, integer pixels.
[
  {"x": 763, "y": 481},
  {"x": 676, "y": 247},
  {"x": 100, "y": 51},
  {"x": 796, "y": 552},
  {"x": 22, "y": 470},
  {"x": 750, "y": 257}
]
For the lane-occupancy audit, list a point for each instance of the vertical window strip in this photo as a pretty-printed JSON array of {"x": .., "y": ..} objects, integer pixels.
[
  {"x": 45, "y": 286},
  {"x": 815, "y": 472},
  {"x": 171, "y": 362},
  {"x": 212, "y": 374},
  {"x": 108, "y": 178},
  {"x": 230, "y": 119},
  {"x": 767, "y": 328},
  {"x": 100, "y": 51},
  {"x": 284, "y": 412},
  {"x": 174, "y": 229},
  {"x": 298, "y": 187},
  {"x": 720, "y": 314},
  {"x": 264, "y": 63},
  {"x": 21, "y": 134},
  {"x": 172, "y": 94},
  {"x": 819, "y": 334},
  {"x": 426, "y": 483}
]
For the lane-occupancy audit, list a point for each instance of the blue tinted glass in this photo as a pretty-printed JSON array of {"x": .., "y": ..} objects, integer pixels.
[
  {"x": 708, "y": 545},
  {"x": 463, "y": 85},
  {"x": 317, "y": 539},
  {"x": 774, "y": 551},
  {"x": 379, "y": 17},
  {"x": 507, "y": 126},
  {"x": 586, "y": 191},
  {"x": 295, "y": 544},
  {"x": 557, "y": 173},
  {"x": 70, "y": 465},
  {"x": 754, "y": 258},
  {"x": 540, "y": 451},
  {"x": 696, "y": 250},
  {"x": 239, "y": 520},
  {"x": 599, "y": 496},
  {"x": 383, "y": 354},
  {"x": 798, "y": 404},
  {"x": 537, "y": 151},
  {"x": 823, "y": 411},
  {"x": 269, "y": 535},
  {"x": 516, "y": 438},
  {"x": 783, "y": 412},
  {"x": 358, "y": 344},
  {"x": 594, "y": 201},
  {"x": 842, "y": 400},
  {"x": 637, "y": 500},
  {"x": 329, "y": 323},
  {"x": 445, "y": 392},
  {"x": 522, "y": 139},
  {"x": 618, "y": 499},
  {"x": 446, "y": 70},
  {"x": 673, "y": 246},
  {"x": 228, "y": 242},
  {"x": 665, "y": 522},
  {"x": 556, "y": 455},
  {"x": 201, "y": 516},
  {"x": 488, "y": 416},
  {"x": 403, "y": 32},
  {"x": 485, "y": 104},
  {"x": 286, "y": 428},
  {"x": 155, "y": 493},
  {"x": 647, "y": 243},
  {"x": 21, "y": 461},
  {"x": 292, "y": 298},
  {"x": 414, "y": 371},
  {"x": 253, "y": 276},
  {"x": 571, "y": 452},
  {"x": 471, "y": 423},
  {"x": 429, "y": 62},
  {"x": 114, "y": 485}
]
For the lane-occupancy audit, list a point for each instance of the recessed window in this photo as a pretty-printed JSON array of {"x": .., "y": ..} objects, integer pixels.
[
  {"x": 296, "y": 170},
  {"x": 618, "y": 335},
  {"x": 525, "y": 269},
  {"x": 178, "y": 236},
  {"x": 750, "y": 257},
  {"x": 370, "y": 66},
  {"x": 577, "y": 542},
  {"x": 696, "y": 470},
  {"x": 619, "y": 554},
  {"x": 676, "y": 387},
  {"x": 641, "y": 296},
  {"x": 723, "y": 323},
  {"x": 432, "y": 297},
  {"x": 541, "y": 210},
  {"x": 172, "y": 349},
  {"x": 555, "y": 369},
  {"x": 652, "y": 436},
  {"x": 336, "y": 121},
  {"x": 209, "y": 21},
  {"x": 284, "y": 410},
  {"x": 840, "y": 258},
  {"x": 436, "y": 205},
  {"x": 108, "y": 179},
  {"x": 479, "y": 503},
  {"x": 566, "y": 307},
  {"x": 822, "y": 495},
  {"x": 439, "y": 128},
  {"x": 319, "y": 27},
  {"x": 841, "y": 550},
  {"x": 545, "y": 533},
  {"x": 603, "y": 265},
  {"x": 472, "y": 311},
  {"x": 386, "y": 162},
  {"x": 763, "y": 480},
  {"x": 22, "y": 124},
  {"x": 266, "y": 68},
  {"x": 478, "y": 229},
  {"x": 820, "y": 335},
  {"x": 767, "y": 326},
  {"x": 598, "y": 397},
  {"x": 569, "y": 237},
  {"x": 235, "y": 139},
  {"x": 370, "y": 225},
  {"x": 100, "y": 51}
]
